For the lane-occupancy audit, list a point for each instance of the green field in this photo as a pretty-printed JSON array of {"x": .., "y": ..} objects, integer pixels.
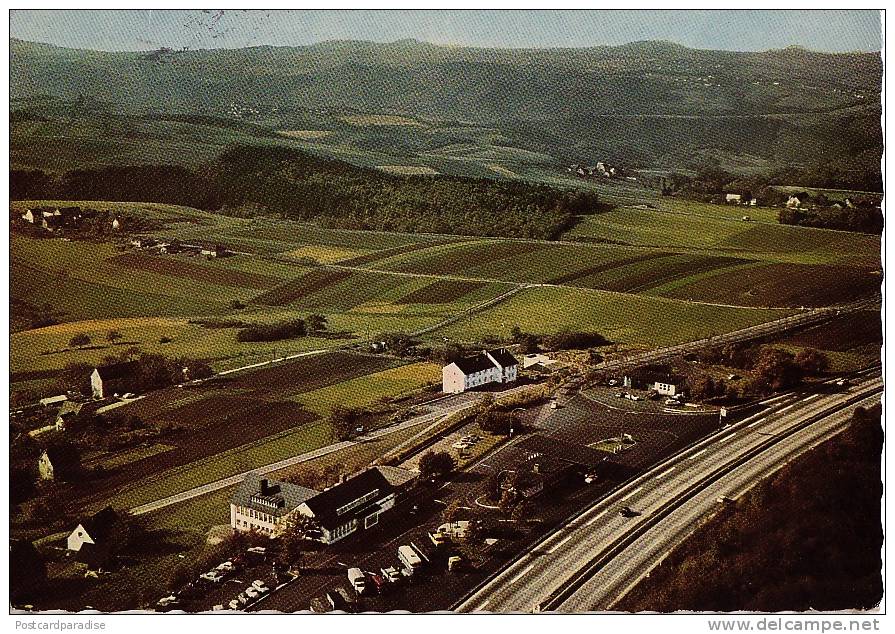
[
  {"x": 631, "y": 319},
  {"x": 370, "y": 388},
  {"x": 726, "y": 236}
]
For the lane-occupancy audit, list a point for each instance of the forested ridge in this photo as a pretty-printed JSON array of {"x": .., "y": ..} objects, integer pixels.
[{"x": 292, "y": 184}]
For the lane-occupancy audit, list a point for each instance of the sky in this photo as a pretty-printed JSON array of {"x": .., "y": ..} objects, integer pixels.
[{"x": 740, "y": 30}]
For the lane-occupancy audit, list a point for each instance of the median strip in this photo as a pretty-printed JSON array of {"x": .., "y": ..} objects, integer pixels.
[{"x": 665, "y": 473}]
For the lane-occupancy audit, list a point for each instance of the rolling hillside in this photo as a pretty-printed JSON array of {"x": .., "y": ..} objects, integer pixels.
[{"x": 645, "y": 104}]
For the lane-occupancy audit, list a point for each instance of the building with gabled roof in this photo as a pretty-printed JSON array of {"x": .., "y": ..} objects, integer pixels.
[
  {"x": 117, "y": 378},
  {"x": 351, "y": 505},
  {"x": 489, "y": 366},
  {"x": 264, "y": 505}
]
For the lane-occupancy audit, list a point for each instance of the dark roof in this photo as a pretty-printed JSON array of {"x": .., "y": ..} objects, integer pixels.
[
  {"x": 477, "y": 363},
  {"x": 64, "y": 458},
  {"x": 325, "y": 505},
  {"x": 482, "y": 361},
  {"x": 95, "y": 556},
  {"x": 503, "y": 358},
  {"x": 99, "y": 525},
  {"x": 538, "y": 445},
  {"x": 124, "y": 370},
  {"x": 275, "y": 497}
]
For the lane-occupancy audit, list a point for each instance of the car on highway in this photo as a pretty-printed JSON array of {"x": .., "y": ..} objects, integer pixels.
[{"x": 627, "y": 511}]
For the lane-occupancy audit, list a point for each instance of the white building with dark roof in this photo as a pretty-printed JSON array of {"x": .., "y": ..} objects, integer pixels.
[
  {"x": 489, "y": 366},
  {"x": 263, "y": 505}
]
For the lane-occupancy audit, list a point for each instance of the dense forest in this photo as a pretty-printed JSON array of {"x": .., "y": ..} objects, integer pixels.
[
  {"x": 296, "y": 185},
  {"x": 809, "y": 537}
]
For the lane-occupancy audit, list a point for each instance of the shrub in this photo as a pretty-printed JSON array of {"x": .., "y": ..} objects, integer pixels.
[{"x": 273, "y": 332}]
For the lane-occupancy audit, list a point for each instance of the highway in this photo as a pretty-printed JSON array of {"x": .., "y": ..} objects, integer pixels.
[{"x": 589, "y": 563}]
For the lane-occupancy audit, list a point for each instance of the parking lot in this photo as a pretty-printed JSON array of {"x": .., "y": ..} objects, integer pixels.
[{"x": 576, "y": 419}]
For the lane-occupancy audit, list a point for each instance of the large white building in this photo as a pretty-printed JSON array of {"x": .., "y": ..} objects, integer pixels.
[
  {"x": 489, "y": 366},
  {"x": 264, "y": 505}
]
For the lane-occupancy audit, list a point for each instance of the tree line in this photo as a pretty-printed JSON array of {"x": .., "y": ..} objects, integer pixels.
[
  {"x": 292, "y": 184},
  {"x": 863, "y": 214}
]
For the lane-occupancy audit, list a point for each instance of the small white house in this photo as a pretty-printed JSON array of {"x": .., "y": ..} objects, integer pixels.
[
  {"x": 733, "y": 198},
  {"x": 489, "y": 366},
  {"x": 28, "y": 216},
  {"x": 666, "y": 389}
]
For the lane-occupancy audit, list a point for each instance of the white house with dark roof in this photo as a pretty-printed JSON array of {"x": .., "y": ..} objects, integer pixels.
[
  {"x": 117, "y": 378},
  {"x": 263, "y": 505},
  {"x": 489, "y": 366}
]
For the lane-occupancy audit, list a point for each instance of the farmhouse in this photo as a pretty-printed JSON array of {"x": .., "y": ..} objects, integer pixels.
[
  {"x": 352, "y": 505},
  {"x": 489, "y": 366},
  {"x": 58, "y": 462},
  {"x": 117, "y": 378},
  {"x": 92, "y": 538},
  {"x": 796, "y": 200},
  {"x": 264, "y": 505}
]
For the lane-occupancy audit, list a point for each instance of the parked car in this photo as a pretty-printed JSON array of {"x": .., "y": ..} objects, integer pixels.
[
  {"x": 391, "y": 574},
  {"x": 358, "y": 580},
  {"x": 461, "y": 444},
  {"x": 167, "y": 603},
  {"x": 212, "y": 576},
  {"x": 379, "y": 581},
  {"x": 672, "y": 401}
]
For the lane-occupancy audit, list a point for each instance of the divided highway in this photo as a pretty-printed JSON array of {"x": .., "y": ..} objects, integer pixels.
[{"x": 592, "y": 561}]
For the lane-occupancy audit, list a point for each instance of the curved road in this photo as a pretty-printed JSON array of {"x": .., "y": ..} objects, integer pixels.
[{"x": 552, "y": 565}]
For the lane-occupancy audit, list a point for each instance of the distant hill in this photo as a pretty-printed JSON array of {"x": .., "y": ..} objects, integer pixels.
[{"x": 645, "y": 103}]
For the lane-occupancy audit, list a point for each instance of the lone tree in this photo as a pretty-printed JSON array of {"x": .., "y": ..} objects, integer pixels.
[
  {"x": 316, "y": 323},
  {"x": 436, "y": 464},
  {"x": 113, "y": 337},
  {"x": 79, "y": 340}
]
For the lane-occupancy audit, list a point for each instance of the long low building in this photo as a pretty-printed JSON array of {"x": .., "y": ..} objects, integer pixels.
[{"x": 488, "y": 366}]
